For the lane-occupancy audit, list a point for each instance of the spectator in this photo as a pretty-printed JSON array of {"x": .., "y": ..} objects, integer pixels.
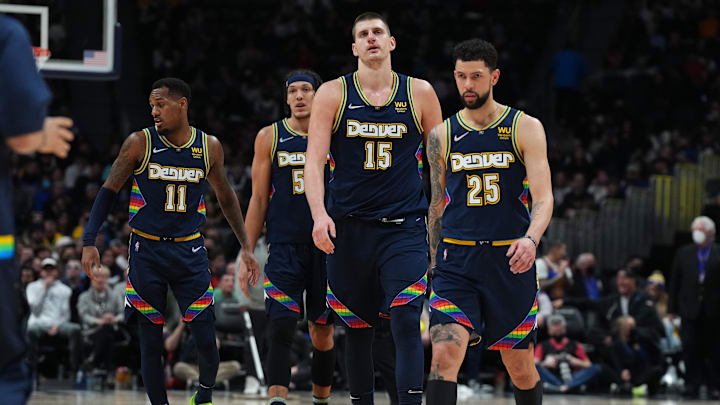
[
  {"x": 636, "y": 365},
  {"x": 694, "y": 298},
  {"x": 655, "y": 286},
  {"x": 77, "y": 281},
  {"x": 100, "y": 311},
  {"x": 585, "y": 283},
  {"x": 226, "y": 289},
  {"x": 186, "y": 367},
  {"x": 578, "y": 200},
  {"x": 570, "y": 69},
  {"x": 553, "y": 271},
  {"x": 562, "y": 363},
  {"x": 49, "y": 301},
  {"x": 27, "y": 276},
  {"x": 627, "y": 301}
]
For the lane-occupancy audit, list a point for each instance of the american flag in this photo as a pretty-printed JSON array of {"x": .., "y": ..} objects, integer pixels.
[{"x": 95, "y": 58}]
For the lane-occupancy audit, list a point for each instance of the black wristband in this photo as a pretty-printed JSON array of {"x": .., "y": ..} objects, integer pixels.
[{"x": 101, "y": 208}]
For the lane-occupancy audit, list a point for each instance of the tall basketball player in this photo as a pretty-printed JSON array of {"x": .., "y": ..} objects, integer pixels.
[
  {"x": 295, "y": 267},
  {"x": 171, "y": 162},
  {"x": 483, "y": 162},
  {"x": 373, "y": 122},
  {"x": 24, "y": 129}
]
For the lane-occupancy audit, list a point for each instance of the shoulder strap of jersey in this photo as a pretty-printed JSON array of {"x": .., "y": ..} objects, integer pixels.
[
  {"x": 206, "y": 152},
  {"x": 341, "y": 107},
  {"x": 513, "y": 128},
  {"x": 448, "y": 138},
  {"x": 273, "y": 148},
  {"x": 418, "y": 124},
  {"x": 148, "y": 151}
]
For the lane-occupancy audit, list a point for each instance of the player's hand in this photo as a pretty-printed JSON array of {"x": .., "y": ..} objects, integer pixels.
[
  {"x": 247, "y": 260},
  {"x": 323, "y": 229},
  {"x": 90, "y": 257},
  {"x": 246, "y": 275},
  {"x": 57, "y": 136},
  {"x": 522, "y": 255}
]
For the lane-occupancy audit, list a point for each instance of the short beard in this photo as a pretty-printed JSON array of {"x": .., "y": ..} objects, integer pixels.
[{"x": 479, "y": 100}]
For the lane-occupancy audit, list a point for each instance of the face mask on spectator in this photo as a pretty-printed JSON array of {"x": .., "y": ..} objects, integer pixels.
[
  {"x": 559, "y": 337},
  {"x": 590, "y": 270},
  {"x": 699, "y": 237}
]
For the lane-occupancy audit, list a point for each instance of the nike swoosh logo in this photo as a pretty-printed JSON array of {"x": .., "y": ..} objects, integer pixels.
[
  {"x": 285, "y": 139},
  {"x": 156, "y": 150},
  {"x": 354, "y": 398},
  {"x": 353, "y": 107},
  {"x": 457, "y": 138},
  {"x": 195, "y": 249},
  {"x": 415, "y": 392}
]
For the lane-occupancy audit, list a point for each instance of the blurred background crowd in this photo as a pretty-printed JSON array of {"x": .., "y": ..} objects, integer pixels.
[{"x": 628, "y": 95}]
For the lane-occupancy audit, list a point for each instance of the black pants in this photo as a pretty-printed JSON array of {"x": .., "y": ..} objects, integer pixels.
[
  {"x": 103, "y": 340},
  {"x": 700, "y": 352}
]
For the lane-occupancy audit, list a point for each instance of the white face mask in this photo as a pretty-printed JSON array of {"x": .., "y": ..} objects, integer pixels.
[{"x": 699, "y": 237}]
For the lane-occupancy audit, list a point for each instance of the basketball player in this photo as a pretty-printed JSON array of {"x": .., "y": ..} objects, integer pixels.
[
  {"x": 373, "y": 122},
  {"x": 482, "y": 160},
  {"x": 170, "y": 163},
  {"x": 24, "y": 129},
  {"x": 295, "y": 266}
]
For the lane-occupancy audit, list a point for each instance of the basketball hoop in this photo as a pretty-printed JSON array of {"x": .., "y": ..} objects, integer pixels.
[{"x": 41, "y": 56}]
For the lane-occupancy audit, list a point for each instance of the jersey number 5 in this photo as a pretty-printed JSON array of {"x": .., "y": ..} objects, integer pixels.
[
  {"x": 486, "y": 185},
  {"x": 298, "y": 181},
  {"x": 170, "y": 198},
  {"x": 380, "y": 160}
]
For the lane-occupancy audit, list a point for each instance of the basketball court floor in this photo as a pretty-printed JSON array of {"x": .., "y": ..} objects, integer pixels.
[{"x": 227, "y": 398}]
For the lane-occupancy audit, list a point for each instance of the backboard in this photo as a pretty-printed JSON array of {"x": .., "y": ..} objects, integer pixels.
[{"x": 83, "y": 37}]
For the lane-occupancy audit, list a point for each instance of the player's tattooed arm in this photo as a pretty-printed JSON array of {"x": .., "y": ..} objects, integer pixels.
[
  {"x": 436, "y": 157},
  {"x": 533, "y": 148},
  {"x": 130, "y": 157},
  {"x": 217, "y": 177}
]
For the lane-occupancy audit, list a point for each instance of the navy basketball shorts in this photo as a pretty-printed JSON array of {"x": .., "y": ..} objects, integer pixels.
[
  {"x": 155, "y": 265},
  {"x": 474, "y": 287},
  {"x": 295, "y": 271},
  {"x": 376, "y": 266}
]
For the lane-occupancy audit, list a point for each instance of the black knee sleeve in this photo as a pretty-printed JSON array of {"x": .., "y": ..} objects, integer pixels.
[
  {"x": 278, "y": 360},
  {"x": 323, "y": 367},
  {"x": 533, "y": 396},
  {"x": 439, "y": 392}
]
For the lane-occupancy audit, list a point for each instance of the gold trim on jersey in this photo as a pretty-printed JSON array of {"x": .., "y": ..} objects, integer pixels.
[
  {"x": 146, "y": 157},
  {"x": 492, "y": 125},
  {"x": 206, "y": 152},
  {"x": 193, "y": 134},
  {"x": 166, "y": 239},
  {"x": 273, "y": 148},
  {"x": 396, "y": 85},
  {"x": 290, "y": 129},
  {"x": 447, "y": 140},
  {"x": 514, "y": 137},
  {"x": 475, "y": 243},
  {"x": 341, "y": 109},
  {"x": 412, "y": 105}
]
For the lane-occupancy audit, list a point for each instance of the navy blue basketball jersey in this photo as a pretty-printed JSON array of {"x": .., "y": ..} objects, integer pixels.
[
  {"x": 167, "y": 192},
  {"x": 487, "y": 188},
  {"x": 378, "y": 154},
  {"x": 288, "y": 218}
]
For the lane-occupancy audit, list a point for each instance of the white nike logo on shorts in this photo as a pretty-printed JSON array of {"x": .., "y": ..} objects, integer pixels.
[{"x": 195, "y": 249}]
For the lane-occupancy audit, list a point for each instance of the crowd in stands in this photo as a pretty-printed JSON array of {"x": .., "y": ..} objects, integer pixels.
[{"x": 653, "y": 104}]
